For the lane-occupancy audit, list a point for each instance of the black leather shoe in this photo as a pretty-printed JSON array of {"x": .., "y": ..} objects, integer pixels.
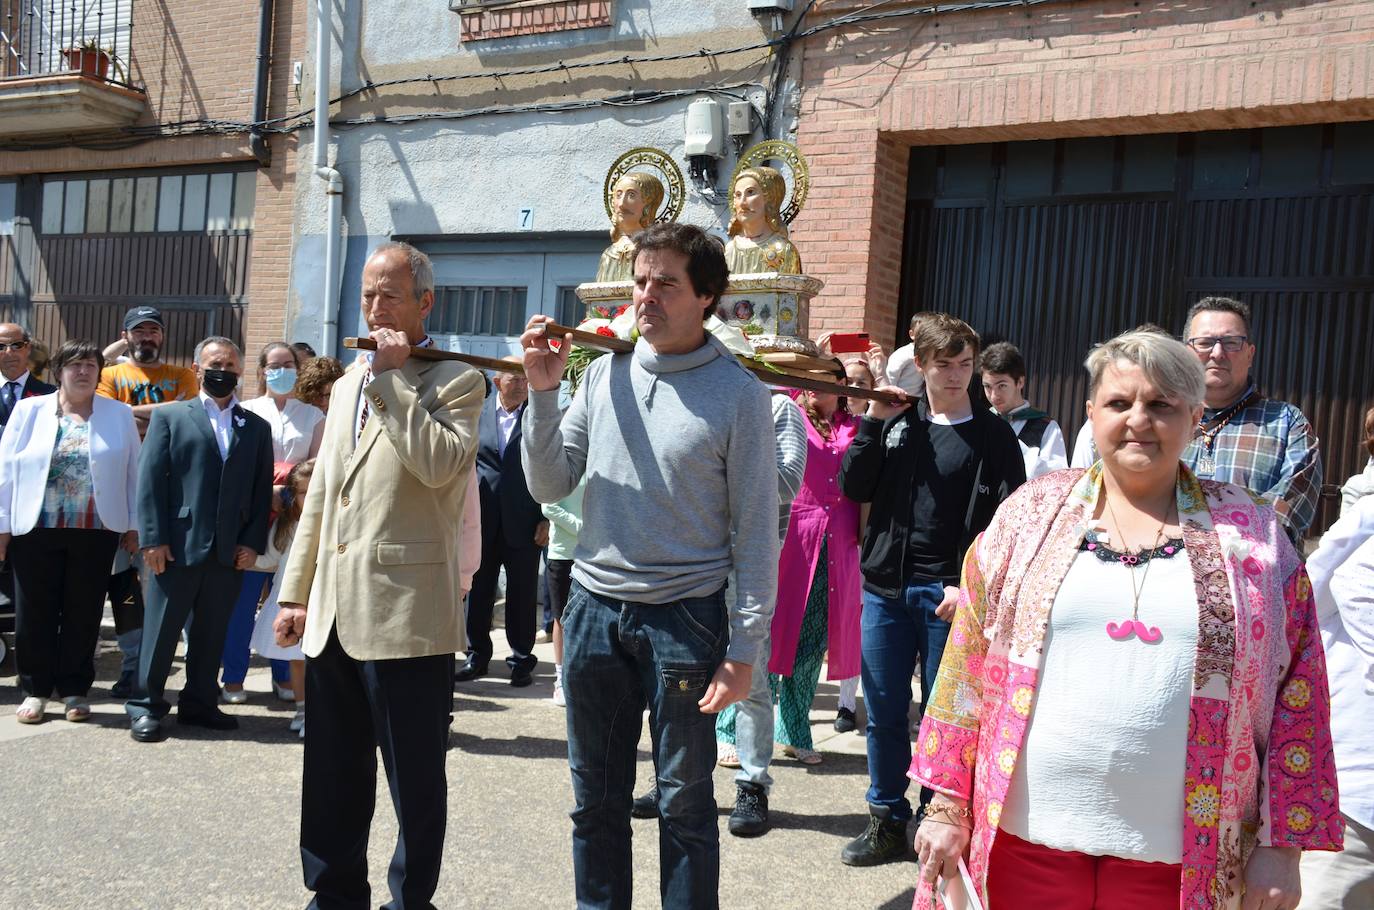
[
  {"x": 646, "y": 806},
  {"x": 883, "y": 842},
  {"x": 471, "y": 670},
  {"x": 147, "y": 729},
  {"x": 844, "y": 720},
  {"x": 214, "y": 719},
  {"x": 750, "y": 815},
  {"x": 520, "y": 678}
]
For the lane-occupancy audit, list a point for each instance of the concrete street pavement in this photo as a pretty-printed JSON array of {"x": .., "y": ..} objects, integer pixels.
[{"x": 91, "y": 819}]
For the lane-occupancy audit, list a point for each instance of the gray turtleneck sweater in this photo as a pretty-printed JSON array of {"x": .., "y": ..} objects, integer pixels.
[{"x": 682, "y": 481}]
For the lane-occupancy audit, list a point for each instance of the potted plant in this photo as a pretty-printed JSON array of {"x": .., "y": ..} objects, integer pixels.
[{"x": 89, "y": 59}]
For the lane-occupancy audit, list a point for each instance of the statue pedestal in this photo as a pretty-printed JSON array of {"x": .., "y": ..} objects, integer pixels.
[
  {"x": 609, "y": 294},
  {"x": 769, "y": 307}
]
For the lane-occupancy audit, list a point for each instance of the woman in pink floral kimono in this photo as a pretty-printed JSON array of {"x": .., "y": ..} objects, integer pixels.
[{"x": 1132, "y": 708}]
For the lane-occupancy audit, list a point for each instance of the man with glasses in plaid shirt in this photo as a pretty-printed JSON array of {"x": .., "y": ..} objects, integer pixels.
[{"x": 1264, "y": 445}]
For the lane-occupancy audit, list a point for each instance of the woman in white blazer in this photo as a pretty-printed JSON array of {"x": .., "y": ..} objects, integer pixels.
[{"x": 68, "y": 484}]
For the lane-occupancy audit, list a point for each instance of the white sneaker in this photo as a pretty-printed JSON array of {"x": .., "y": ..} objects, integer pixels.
[
  {"x": 558, "y": 698},
  {"x": 302, "y": 728},
  {"x": 282, "y": 692},
  {"x": 297, "y": 722}
]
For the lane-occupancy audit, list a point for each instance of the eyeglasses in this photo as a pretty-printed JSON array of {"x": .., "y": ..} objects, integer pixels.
[
  {"x": 1203, "y": 344},
  {"x": 13, "y": 346}
]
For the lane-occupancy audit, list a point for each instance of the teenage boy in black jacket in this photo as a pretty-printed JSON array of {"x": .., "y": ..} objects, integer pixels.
[{"x": 935, "y": 472}]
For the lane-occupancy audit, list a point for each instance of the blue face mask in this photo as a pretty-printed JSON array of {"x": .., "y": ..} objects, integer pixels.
[{"x": 281, "y": 380}]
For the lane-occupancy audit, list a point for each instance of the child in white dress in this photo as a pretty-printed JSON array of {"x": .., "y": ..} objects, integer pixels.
[{"x": 278, "y": 549}]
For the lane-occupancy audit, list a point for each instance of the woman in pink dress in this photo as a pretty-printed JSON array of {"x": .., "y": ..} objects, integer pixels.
[{"x": 818, "y": 579}]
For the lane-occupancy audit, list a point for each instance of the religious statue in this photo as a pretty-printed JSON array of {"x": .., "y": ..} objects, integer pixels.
[
  {"x": 634, "y": 202},
  {"x": 758, "y": 233}
]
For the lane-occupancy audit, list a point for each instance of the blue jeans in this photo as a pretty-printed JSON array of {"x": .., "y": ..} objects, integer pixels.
[
  {"x": 236, "y": 640},
  {"x": 619, "y": 657},
  {"x": 899, "y": 635}
]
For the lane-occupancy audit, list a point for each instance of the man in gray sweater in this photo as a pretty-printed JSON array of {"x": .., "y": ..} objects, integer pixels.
[{"x": 676, "y": 442}]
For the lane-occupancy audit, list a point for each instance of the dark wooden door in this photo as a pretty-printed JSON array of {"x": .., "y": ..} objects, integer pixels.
[{"x": 1059, "y": 244}]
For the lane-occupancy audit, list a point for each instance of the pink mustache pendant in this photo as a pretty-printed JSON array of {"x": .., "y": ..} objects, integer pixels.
[{"x": 1129, "y": 627}]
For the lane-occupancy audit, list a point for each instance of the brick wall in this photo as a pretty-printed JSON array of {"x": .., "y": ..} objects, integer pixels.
[
  {"x": 198, "y": 60},
  {"x": 274, "y": 212},
  {"x": 1094, "y": 67}
]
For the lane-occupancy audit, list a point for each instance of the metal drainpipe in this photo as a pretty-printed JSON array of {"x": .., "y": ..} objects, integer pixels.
[
  {"x": 333, "y": 248},
  {"x": 256, "y": 142}
]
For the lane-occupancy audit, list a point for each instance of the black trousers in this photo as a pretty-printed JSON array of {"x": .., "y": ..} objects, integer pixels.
[
  {"x": 205, "y": 594},
  {"x": 59, "y": 595},
  {"x": 356, "y": 707},
  {"x": 522, "y": 582}
]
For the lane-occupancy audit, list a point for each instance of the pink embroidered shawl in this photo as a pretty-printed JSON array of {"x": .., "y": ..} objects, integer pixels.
[{"x": 1259, "y": 767}]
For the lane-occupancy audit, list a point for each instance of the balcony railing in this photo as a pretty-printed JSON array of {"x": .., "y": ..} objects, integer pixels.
[{"x": 50, "y": 37}]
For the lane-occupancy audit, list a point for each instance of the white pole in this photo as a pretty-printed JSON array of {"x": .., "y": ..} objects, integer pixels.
[{"x": 333, "y": 240}]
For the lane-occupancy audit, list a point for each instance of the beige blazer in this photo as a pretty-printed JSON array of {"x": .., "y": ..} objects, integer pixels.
[{"x": 376, "y": 551}]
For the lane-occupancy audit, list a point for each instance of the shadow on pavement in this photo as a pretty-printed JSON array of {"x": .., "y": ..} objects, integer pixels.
[
  {"x": 476, "y": 704},
  {"x": 902, "y": 901},
  {"x": 519, "y": 747}
]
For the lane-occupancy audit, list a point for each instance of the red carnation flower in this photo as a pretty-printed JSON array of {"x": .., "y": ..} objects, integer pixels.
[{"x": 605, "y": 330}]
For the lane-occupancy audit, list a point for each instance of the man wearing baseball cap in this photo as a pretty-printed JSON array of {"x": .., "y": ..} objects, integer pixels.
[{"x": 144, "y": 381}]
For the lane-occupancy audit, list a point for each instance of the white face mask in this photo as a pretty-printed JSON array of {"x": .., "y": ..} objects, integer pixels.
[{"x": 281, "y": 380}]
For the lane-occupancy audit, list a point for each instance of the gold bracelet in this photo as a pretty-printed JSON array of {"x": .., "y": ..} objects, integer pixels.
[
  {"x": 951, "y": 824},
  {"x": 950, "y": 810}
]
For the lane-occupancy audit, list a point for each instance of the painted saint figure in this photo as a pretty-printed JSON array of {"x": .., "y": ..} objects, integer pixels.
[
  {"x": 635, "y": 199},
  {"x": 758, "y": 236}
]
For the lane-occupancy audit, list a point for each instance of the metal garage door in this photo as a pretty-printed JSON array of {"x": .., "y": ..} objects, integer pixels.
[{"x": 1059, "y": 244}]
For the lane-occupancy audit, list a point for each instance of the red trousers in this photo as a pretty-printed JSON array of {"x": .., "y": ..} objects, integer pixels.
[{"x": 1026, "y": 876}]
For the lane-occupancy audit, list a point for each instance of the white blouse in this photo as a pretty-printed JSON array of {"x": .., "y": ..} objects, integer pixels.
[
  {"x": 1102, "y": 768},
  {"x": 292, "y": 427}
]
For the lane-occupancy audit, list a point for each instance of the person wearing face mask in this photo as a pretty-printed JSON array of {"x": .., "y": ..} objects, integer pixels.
[
  {"x": 135, "y": 374},
  {"x": 297, "y": 429},
  {"x": 204, "y": 499}
]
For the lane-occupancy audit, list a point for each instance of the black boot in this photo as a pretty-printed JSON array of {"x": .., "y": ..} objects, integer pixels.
[
  {"x": 646, "y": 806},
  {"x": 475, "y": 668},
  {"x": 844, "y": 720},
  {"x": 883, "y": 842},
  {"x": 750, "y": 816}
]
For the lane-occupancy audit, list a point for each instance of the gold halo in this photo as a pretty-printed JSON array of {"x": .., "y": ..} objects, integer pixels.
[
  {"x": 789, "y": 154},
  {"x": 674, "y": 190}
]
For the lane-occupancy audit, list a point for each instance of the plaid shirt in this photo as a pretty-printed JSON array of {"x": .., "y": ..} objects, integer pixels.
[{"x": 1268, "y": 448}]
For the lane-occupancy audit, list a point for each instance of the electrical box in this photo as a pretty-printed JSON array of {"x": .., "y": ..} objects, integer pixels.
[
  {"x": 770, "y": 6},
  {"x": 739, "y": 119},
  {"x": 704, "y": 134}
]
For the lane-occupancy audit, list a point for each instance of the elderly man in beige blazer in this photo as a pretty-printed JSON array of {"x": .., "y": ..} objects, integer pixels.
[{"x": 371, "y": 589}]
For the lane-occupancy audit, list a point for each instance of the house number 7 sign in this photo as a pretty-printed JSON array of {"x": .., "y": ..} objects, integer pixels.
[{"x": 525, "y": 220}]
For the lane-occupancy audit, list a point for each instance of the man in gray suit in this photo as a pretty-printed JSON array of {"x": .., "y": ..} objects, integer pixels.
[{"x": 204, "y": 498}]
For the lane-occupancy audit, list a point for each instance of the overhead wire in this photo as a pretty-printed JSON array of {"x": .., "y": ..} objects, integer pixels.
[{"x": 780, "y": 46}]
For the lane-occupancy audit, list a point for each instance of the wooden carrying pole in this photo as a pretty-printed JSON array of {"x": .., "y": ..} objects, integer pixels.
[
  {"x": 485, "y": 363},
  {"x": 621, "y": 346}
]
